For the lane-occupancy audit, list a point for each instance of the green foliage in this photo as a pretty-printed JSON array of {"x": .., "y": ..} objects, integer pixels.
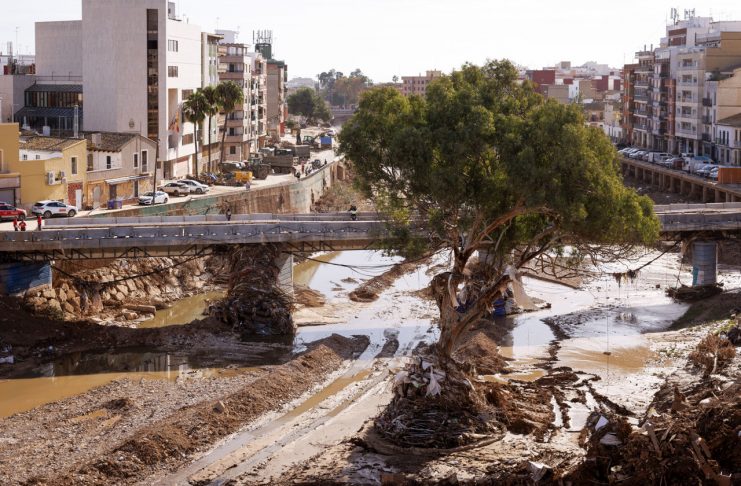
[
  {"x": 195, "y": 109},
  {"x": 486, "y": 159},
  {"x": 306, "y": 102},
  {"x": 341, "y": 90}
]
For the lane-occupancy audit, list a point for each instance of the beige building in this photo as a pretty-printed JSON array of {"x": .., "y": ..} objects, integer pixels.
[
  {"x": 417, "y": 85},
  {"x": 235, "y": 65},
  {"x": 558, "y": 92},
  {"x": 119, "y": 167},
  {"x": 10, "y": 181},
  {"x": 277, "y": 108},
  {"x": 51, "y": 169}
]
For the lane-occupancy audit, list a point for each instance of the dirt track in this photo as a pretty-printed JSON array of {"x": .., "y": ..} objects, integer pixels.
[{"x": 153, "y": 425}]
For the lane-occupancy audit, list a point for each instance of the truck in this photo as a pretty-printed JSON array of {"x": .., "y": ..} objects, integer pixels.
[
  {"x": 259, "y": 168},
  {"x": 281, "y": 164},
  {"x": 325, "y": 143},
  {"x": 302, "y": 151}
]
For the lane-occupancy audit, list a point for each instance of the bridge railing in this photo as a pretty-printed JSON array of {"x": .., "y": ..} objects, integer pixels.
[
  {"x": 217, "y": 218},
  {"x": 193, "y": 234},
  {"x": 662, "y": 208}
]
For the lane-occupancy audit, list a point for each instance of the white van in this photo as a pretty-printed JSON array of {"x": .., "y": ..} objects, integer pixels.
[{"x": 656, "y": 157}]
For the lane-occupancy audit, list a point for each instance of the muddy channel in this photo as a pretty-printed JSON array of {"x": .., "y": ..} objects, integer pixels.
[{"x": 603, "y": 330}]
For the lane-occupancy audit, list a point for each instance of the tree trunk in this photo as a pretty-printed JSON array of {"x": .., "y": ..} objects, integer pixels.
[
  {"x": 223, "y": 138},
  {"x": 196, "y": 154},
  {"x": 453, "y": 323},
  {"x": 210, "y": 168}
]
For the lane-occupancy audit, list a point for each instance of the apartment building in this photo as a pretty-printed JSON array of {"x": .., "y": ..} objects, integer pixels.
[
  {"x": 235, "y": 65},
  {"x": 728, "y": 140},
  {"x": 417, "y": 85},
  {"x": 668, "y": 104},
  {"x": 137, "y": 62},
  {"x": 259, "y": 99}
]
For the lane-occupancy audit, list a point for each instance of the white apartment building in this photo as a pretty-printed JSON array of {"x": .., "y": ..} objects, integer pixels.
[
  {"x": 138, "y": 62},
  {"x": 241, "y": 130}
]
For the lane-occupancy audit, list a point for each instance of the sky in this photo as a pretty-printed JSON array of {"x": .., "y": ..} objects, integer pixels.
[{"x": 407, "y": 37}]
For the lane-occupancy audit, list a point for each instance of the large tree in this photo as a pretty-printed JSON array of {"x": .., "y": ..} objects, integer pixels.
[
  {"x": 195, "y": 109},
  {"x": 490, "y": 168},
  {"x": 306, "y": 102},
  {"x": 229, "y": 96}
]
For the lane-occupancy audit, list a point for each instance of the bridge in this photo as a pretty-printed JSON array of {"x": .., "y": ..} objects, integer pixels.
[
  {"x": 188, "y": 236},
  {"x": 681, "y": 182}
]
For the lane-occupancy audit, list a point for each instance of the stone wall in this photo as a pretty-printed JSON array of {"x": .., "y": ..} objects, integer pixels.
[{"x": 111, "y": 297}]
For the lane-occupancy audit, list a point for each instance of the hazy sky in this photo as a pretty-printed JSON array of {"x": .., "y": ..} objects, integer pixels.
[{"x": 387, "y": 37}]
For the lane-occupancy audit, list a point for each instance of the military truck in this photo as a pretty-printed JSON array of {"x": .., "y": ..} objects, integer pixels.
[{"x": 281, "y": 164}]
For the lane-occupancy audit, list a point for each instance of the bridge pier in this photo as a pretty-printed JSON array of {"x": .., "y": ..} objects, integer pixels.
[
  {"x": 704, "y": 263},
  {"x": 284, "y": 262}
]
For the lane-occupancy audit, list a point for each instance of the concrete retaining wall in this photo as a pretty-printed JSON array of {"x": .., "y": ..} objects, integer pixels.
[{"x": 288, "y": 197}]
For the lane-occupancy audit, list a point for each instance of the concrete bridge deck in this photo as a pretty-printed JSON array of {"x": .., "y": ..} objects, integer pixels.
[
  {"x": 681, "y": 182},
  {"x": 136, "y": 237}
]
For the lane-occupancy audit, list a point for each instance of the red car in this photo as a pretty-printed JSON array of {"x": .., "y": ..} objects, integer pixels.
[{"x": 9, "y": 212}]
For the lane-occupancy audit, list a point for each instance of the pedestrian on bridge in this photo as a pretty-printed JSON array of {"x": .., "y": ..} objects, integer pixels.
[
  {"x": 38, "y": 222},
  {"x": 22, "y": 225},
  {"x": 228, "y": 214},
  {"x": 15, "y": 224}
]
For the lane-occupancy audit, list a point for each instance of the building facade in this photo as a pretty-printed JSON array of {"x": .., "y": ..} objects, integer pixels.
[
  {"x": 418, "y": 84},
  {"x": 670, "y": 97}
]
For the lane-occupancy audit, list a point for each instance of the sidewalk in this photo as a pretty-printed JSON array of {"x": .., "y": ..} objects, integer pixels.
[{"x": 272, "y": 180}]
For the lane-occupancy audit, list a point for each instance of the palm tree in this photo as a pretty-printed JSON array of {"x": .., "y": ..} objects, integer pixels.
[
  {"x": 209, "y": 92},
  {"x": 194, "y": 109},
  {"x": 229, "y": 95}
]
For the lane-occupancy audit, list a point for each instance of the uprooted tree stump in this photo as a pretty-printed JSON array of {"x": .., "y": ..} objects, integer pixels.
[{"x": 255, "y": 305}]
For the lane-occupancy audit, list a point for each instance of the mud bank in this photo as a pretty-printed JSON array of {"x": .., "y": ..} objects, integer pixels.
[{"x": 151, "y": 426}]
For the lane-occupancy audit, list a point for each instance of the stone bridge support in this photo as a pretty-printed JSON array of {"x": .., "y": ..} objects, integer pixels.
[
  {"x": 284, "y": 262},
  {"x": 704, "y": 262}
]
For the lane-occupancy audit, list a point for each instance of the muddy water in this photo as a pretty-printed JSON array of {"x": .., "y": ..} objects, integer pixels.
[{"x": 183, "y": 311}]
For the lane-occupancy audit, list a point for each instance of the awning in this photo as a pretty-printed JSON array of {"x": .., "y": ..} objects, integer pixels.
[
  {"x": 48, "y": 112},
  {"x": 121, "y": 180}
]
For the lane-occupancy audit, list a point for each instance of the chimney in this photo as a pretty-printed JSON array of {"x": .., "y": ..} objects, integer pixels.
[{"x": 95, "y": 138}]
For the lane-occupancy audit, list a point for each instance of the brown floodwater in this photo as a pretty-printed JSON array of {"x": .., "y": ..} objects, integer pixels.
[{"x": 183, "y": 311}]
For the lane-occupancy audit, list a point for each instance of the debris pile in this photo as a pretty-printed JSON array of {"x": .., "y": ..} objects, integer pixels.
[
  {"x": 713, "y": 353},
  {"x": 691, "y": 294},
  {"x": 255, "y": 305},
  {"x": 436, "y": 408},
  {"x": 690, "y": 434}
]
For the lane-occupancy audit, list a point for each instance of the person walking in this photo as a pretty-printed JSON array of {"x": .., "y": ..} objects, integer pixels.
[
  {"x": 228, "y": 214},
  {"x": 39, "y": 219},
  {"x": 22, "y": 225},
  {"x": 15, "y": 224}
]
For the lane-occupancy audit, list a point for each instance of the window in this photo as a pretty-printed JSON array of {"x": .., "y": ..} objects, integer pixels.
[
  {"x": 188, "y": 139},
  {"x": 172, "y": 71},
  {"x": 136, "y": 161},
  {"x": 187, "y": 93},
  {"x": 232, "y": 150},
  {"x": 172, "y": 45},
  {"x": 74, "y": 165},
  {"x": 25, "y": 157},
  {"x": 145, "y": 160},
  {"x": 38, "y": 157},
  {"x": 89, "y": 162},
  {"x": 108, "y": 162}
]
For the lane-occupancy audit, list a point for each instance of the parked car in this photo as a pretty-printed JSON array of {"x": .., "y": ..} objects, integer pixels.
[
  {"x": 49, "y": 209},
  {"x": 638, "y": 155},
  {"x": 673, "y": 163},
  {"x": 158, "y": 197},
  {"x": 658, "y": 157},
  {"x": 713, "y": 174},
  {"x": 176, "y": 189},
  {"x": 8, "y": 211},
  {"x": 195, "y": 186},
  {"x": 704, "y": 170}
]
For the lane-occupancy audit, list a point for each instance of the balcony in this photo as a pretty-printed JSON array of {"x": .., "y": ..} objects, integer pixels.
[
  {"x": 237, "y": 138},
  {"x": 706, "y": 137},
  {"x": 707, "y": 102},
  {"x": 707, "y": 120},
  {"x": 641, "y": 98}
]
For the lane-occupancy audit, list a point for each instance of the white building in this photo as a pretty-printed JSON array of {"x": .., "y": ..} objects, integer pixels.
[{"x": 138, "y": 63}]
